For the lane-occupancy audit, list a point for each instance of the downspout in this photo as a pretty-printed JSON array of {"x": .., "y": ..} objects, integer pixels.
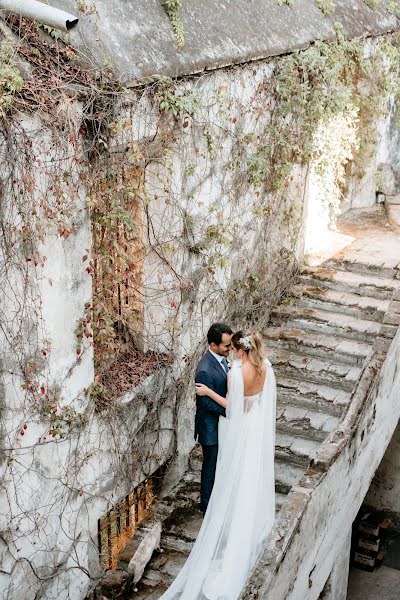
[{"x": 54, "y": 17}]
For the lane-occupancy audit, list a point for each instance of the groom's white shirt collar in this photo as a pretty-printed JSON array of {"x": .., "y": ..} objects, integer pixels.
[{"x": 217, "y": 356}]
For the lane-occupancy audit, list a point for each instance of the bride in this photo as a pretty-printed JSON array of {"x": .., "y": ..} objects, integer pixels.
[{"x": 241, "y": 510}]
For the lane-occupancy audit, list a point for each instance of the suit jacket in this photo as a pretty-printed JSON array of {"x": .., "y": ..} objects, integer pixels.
[{"x": 211, "y": 373}]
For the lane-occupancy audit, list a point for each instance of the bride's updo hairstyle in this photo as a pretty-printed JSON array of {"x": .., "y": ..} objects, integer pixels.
[{"x": 253, "y": 345}]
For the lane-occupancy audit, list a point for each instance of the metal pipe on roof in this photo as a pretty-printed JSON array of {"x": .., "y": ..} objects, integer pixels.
[{"x": 49, "y": 15}]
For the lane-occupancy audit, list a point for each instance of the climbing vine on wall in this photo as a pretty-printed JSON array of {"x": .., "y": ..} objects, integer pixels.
[
  {"x": 172, "y": 8},
  {"x": 174, "y": 199},
  {"x": 310, "y": 89},
  {"x": 10, "y": 79},
  {"x": 393, "y": 8},
  {"x": 372, "y": 3},
  {"x": 314, "y": 87},
  {"x": 326, "y": 6}
]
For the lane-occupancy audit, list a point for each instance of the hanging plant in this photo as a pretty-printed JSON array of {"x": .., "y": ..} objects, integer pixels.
[{"x": 172, "y": 8}]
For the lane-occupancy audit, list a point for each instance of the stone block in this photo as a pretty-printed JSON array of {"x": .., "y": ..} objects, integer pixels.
[
  {"x": 386, "y": 181},
  {"x": 393, "y": 199},
  {"x": 393, "y": 213}
]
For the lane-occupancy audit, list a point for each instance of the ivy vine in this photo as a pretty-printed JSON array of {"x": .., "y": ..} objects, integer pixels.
[
  {"x": 172, "y": 8},
  {"x": 313, "y": 87},
  {"x": 10, "y": 78},
  {"x": 172, "y": 102},
  {"x": 372, "y": 3},
  {"x": 326, "y": 6}
]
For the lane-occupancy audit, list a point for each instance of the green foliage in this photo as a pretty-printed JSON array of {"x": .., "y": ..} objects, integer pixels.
[
  {"x": 11, "y": 81},
  {"x": 325, "y": 84},
  {"x": 210, "y": 144},
  {"x": 326, "y": 6},
  {"x": 311, "y": 87},
  {"x": 372, "y": 3},
  {"x": 173, "y": 103},
  {"x": 282, "y": 2},
  {"x": 394, "y": 8},
  {"x": 172, "y": 7},
  {"x": 56, "y": 34},
  {"x": 62, "y": 420}
]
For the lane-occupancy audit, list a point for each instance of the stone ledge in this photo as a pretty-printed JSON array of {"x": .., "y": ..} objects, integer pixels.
[
  {"x": 393, "y": 213},
  {"x": 138, "y": 39}
]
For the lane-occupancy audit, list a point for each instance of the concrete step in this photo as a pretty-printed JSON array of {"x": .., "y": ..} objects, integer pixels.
[
  {"x": 315, "y": 296},
  {"x": 192, "y": 478},
  {"x": 325, "y": 322},
  {"x": 279, "y": 500},
  {"x": 179, "y": 533},
  {"x": 181, "y": 529},
  {"x": 316, "y": 370},
  {"x": 295, "y": 449},
  {"x": 286, "y": 475},
  {"x": 313, "y": 396},
  {"x": 165, "y": 566},
  {"x": 148, "y": 590},
  {"x": 300, "y": 421},
  {"x": 348, "y": 352},
  {"x": 343, "y": 264},
  {"x": 300, "y": 448},
  {"x": 349, "y": 281}
]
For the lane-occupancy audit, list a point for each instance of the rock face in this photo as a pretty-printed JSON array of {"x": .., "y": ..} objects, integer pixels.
[{"x": 318, "y": 342}]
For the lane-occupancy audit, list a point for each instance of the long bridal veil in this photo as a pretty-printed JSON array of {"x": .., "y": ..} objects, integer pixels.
[{"x": 242, "y": 505}]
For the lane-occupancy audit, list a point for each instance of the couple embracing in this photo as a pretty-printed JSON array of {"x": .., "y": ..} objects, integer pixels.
[{"x": 235, "y": 425}]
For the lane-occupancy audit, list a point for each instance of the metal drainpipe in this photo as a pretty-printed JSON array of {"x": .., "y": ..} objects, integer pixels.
[{"x": 54, "y": 17}]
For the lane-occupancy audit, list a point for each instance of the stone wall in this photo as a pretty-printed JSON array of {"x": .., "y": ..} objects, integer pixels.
[
  {"x": 384, "y": 493},
  {"x": 216, "y": 247},
  {"x": 57, "y": 487},
  {"x": 141, "y": 42}
]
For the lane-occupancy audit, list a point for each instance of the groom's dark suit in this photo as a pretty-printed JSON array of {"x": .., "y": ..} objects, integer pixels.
[{"x": 212, "y": 374}]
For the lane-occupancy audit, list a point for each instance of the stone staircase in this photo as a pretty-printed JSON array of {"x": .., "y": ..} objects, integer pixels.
[{"x": 317, "y": 340}]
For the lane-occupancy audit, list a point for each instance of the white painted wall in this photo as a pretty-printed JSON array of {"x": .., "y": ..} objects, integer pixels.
[
  {"x": 54, "y": 492},
  {"x": 384, "y": 493}
]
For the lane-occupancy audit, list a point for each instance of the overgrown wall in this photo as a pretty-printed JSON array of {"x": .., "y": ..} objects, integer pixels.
[{"x": 199, "y": 194}]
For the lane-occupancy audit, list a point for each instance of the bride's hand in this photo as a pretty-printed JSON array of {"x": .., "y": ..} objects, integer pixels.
[{"x": 202, "y": 390}]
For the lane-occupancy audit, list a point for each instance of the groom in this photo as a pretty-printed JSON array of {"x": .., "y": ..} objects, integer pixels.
[{"x": 212, "y": 371}]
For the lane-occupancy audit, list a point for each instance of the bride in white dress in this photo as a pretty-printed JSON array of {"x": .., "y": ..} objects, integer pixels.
[{"x": 241, "y": 510}]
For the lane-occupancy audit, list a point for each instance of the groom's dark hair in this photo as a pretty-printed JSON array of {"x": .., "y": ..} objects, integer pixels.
[{"x": 214, "y": 334}]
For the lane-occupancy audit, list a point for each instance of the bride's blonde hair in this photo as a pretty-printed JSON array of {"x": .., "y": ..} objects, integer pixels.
[{"x": 251, "y": 343}]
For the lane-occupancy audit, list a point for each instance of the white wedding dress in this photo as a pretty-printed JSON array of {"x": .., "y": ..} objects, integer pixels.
[{"x": 241, "y": 510}]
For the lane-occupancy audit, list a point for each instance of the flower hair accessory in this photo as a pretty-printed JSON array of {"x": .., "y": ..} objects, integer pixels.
[{"x": 246, "y": 342}]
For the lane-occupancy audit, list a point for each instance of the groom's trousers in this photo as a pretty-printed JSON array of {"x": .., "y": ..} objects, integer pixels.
[{"x": 210, "y": 454}]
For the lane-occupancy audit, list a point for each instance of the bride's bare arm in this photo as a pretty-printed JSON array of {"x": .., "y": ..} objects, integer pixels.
[{"x": 203, "y": 390}]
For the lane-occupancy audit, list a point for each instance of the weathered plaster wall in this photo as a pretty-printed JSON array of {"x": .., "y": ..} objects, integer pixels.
[
  {"x": 139, "y": 40},
  {"x": 55, "y": 490},
  {"x": 234, "y": 247},
  {"x": 384, "y": 493},
  {"x": 337, "y": 583}
]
